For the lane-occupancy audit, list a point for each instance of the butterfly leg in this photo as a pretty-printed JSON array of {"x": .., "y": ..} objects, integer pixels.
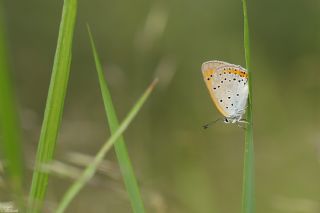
[
  {"x": 243, "y": 120},
  {"x": 241, "y": 126}
]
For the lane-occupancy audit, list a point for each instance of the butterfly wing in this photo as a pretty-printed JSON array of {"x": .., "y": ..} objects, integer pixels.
[
  {"x": 227, "y": 85},
  {"x": 209, "y": 69}
]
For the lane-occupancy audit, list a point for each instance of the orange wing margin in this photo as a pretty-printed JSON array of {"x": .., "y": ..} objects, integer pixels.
[{"x": 207, "y": 77}]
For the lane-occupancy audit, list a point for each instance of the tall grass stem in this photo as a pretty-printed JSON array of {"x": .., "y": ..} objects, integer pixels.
[
  {"x": 248, "y": 201},
  {"x": 54, "y": 106},
  {"x": 10, "y": 131},
  {"x": 120, "y": 146}
]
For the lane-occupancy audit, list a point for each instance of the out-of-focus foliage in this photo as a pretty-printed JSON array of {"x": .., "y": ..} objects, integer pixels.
[{"x": 180, "y": 167}]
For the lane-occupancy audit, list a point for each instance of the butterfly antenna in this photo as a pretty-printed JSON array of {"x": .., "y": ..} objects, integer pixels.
[{"x": 206, "y": 126}]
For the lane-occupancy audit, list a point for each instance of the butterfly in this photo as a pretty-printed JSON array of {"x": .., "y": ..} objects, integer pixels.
[{"x": 228, "y": 87}]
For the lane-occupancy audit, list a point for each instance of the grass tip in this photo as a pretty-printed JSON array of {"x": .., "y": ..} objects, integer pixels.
[
  {"x": 153, "y": 83},
  {"x": 88, "y": 26}
]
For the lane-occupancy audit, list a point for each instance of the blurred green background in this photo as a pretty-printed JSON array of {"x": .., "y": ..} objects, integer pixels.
[{"x": 180, "y": 166}]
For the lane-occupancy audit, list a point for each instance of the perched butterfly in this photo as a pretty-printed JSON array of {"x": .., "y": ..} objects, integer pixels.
[{"x": 228, "y": 88}]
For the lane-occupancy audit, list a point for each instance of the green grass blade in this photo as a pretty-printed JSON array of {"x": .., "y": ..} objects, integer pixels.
[
  {"x": 9, "y": 121},
  {"x": 248, "y": 202},
  {"x": 120, "y": 147},
  {"x": 54, "y": 105},
  {"x": 92, "y": 167}
]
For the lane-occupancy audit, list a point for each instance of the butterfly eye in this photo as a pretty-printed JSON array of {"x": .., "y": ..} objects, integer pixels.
[{"x": 226, "y": 120}]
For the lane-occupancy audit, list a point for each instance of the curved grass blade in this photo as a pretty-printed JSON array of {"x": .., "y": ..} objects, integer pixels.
[
  {"x": 120, "y": 147},
  {"x": 9, "y": 121},
  {"x": 54, "y": 105},
  {"x": 92, "y": 167},
  {"x": 248, "y": 202}
]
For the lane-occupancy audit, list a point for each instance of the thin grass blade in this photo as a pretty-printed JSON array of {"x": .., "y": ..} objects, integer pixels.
[
  {"x": 91, "y": 168},
  {"x": 9, "y": 121},
  {"x": 248, "y": 201},
  {"x": 120, "y": 147},
  {"x": 54, "y": 105}
]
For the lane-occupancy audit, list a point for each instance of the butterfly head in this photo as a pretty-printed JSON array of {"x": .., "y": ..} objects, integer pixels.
[{"x": 230, "y": 120}]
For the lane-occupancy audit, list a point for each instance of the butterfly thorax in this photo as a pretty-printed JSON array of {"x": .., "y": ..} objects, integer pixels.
[
  {"x": 236, "y": 118},
  {"x": 232, "y": 120}
]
